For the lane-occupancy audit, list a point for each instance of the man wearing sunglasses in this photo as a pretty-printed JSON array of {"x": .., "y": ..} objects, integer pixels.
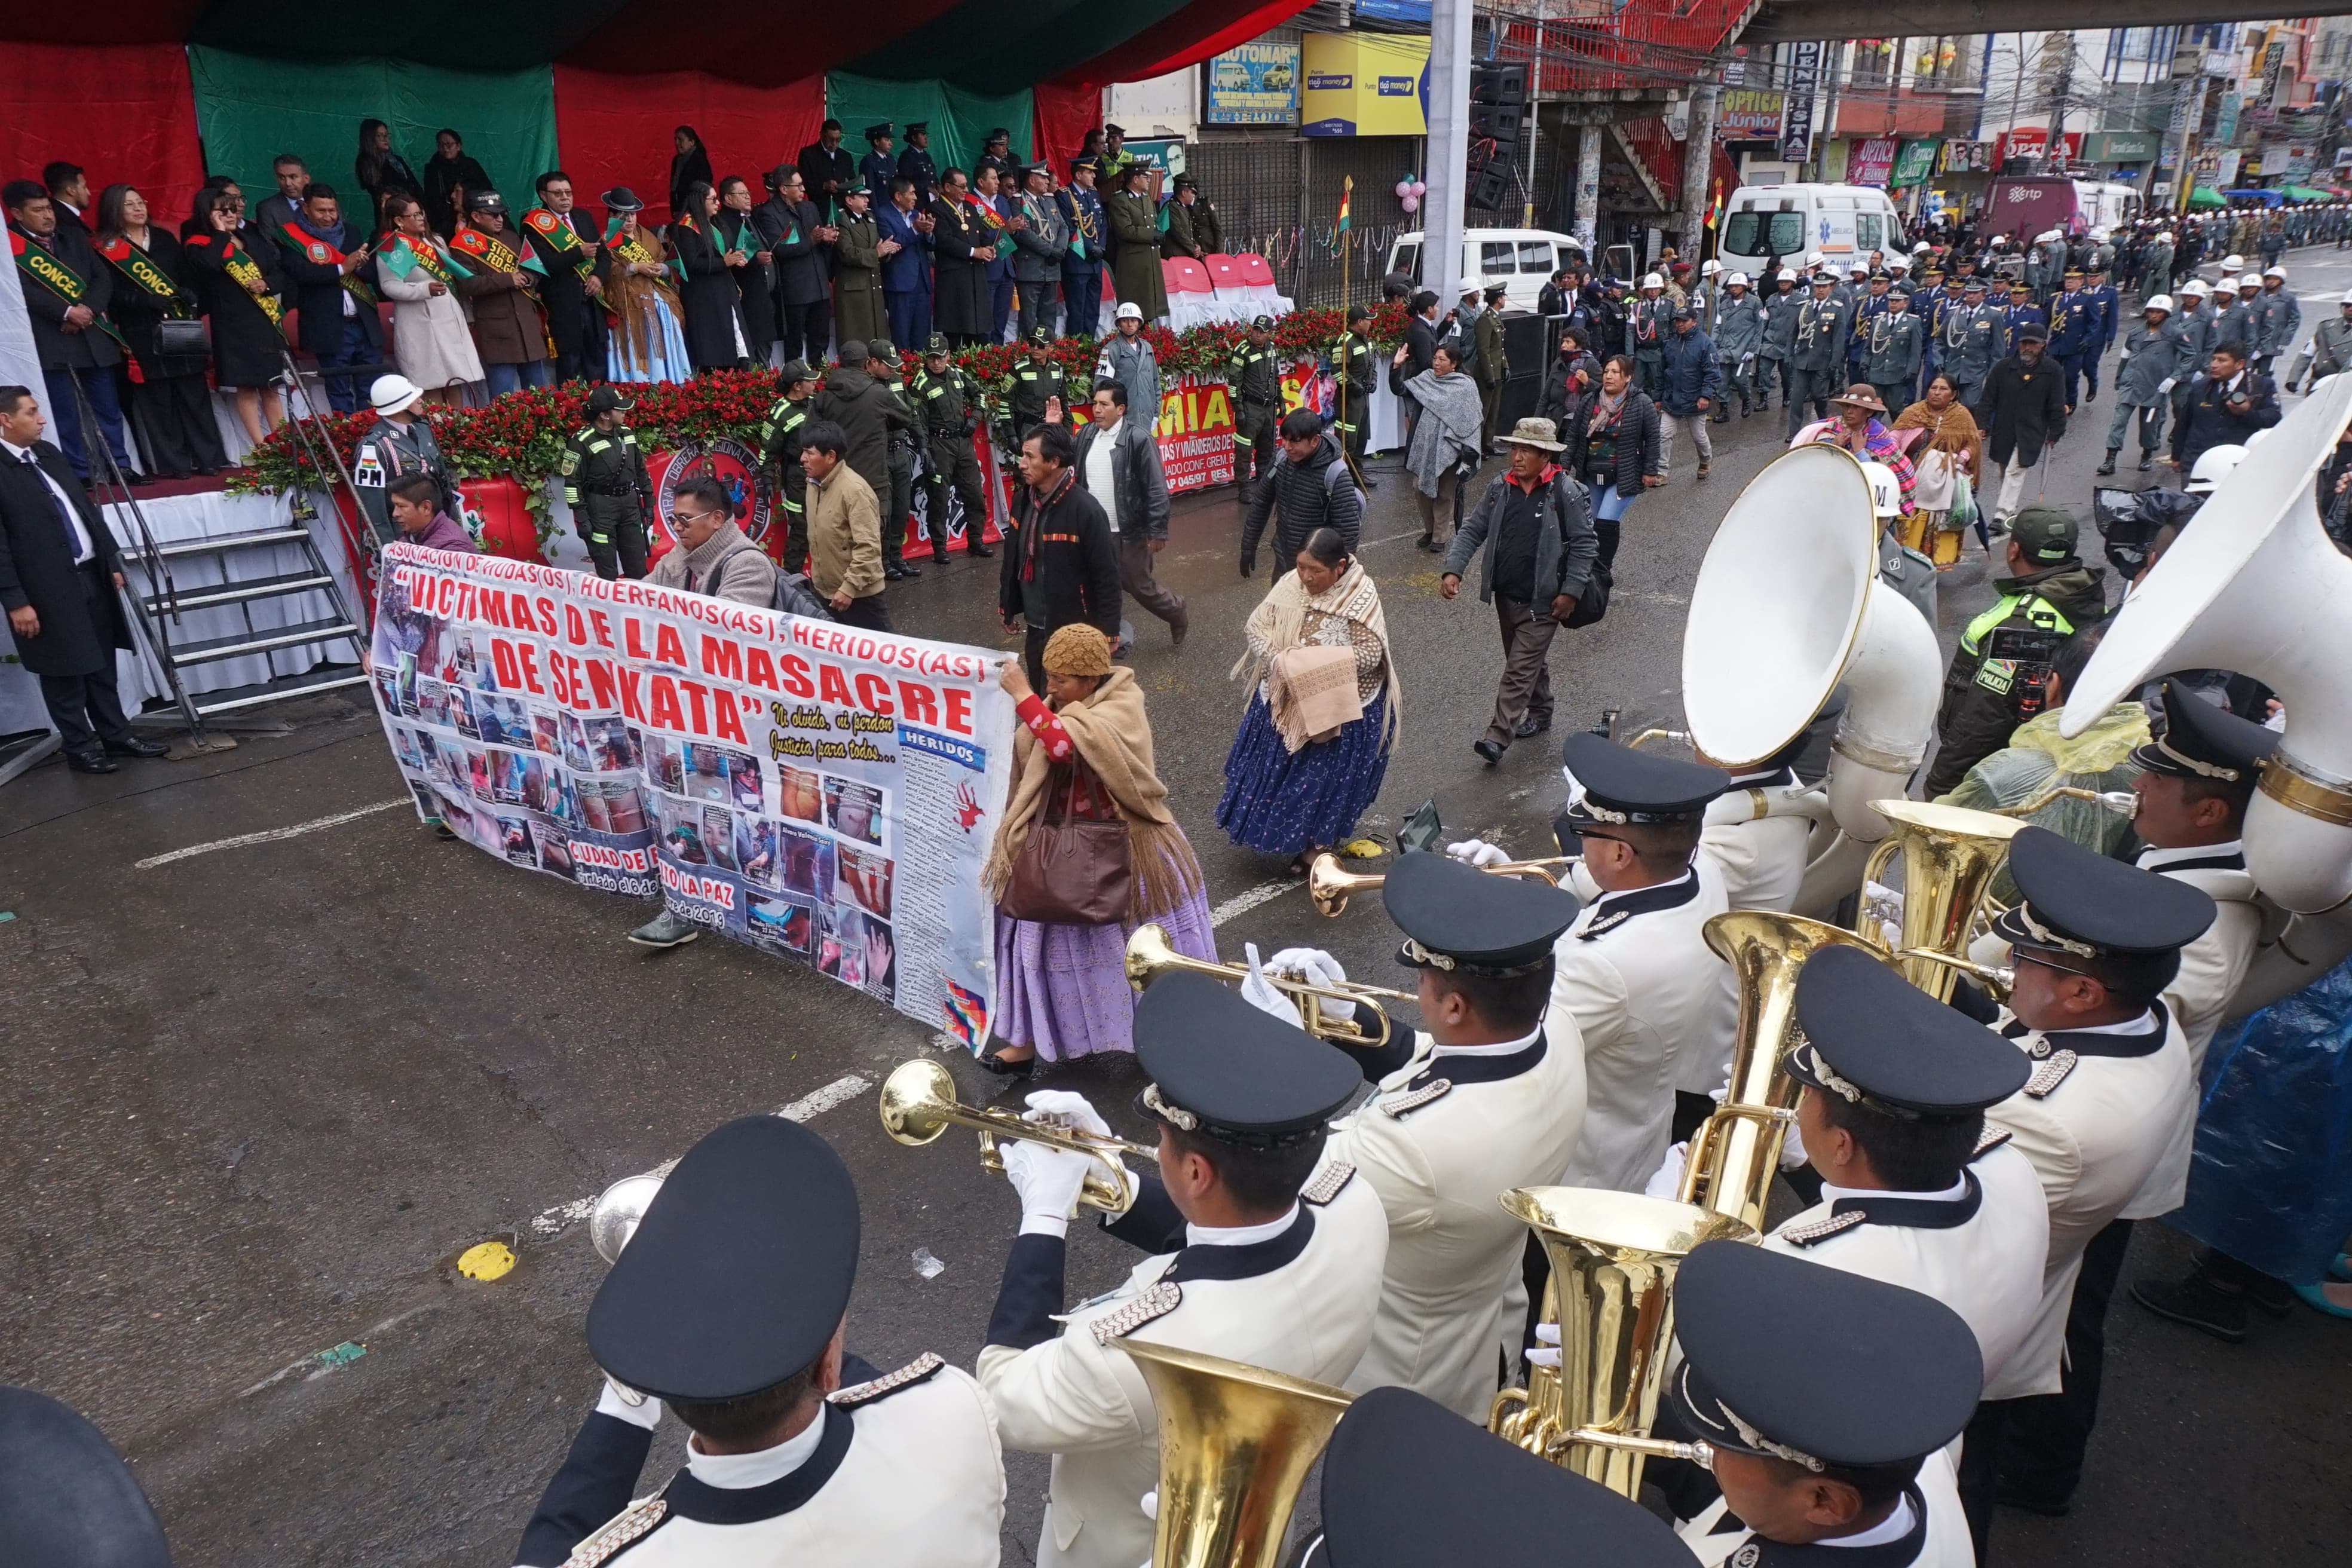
[{"x": 2095, "y": 943}]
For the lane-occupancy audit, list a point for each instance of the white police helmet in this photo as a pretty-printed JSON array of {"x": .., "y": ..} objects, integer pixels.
[
  {"x": 1885, "y": 490},
  {"x": 2212, "y": 468},
  {"x": 2161, "y": 303}
]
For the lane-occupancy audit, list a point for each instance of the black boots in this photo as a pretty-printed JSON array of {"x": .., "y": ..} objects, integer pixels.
[{"x": 2109, "y": 466}]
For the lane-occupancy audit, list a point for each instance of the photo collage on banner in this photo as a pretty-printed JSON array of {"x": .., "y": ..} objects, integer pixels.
[{"x": 821, "y": 792}]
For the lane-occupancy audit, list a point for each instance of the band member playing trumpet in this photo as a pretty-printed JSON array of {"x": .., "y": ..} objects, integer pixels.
[
  {"x": 729, "y": 1306},
  {"x": 2094, "y": 944},
  {"x": 1255, "y": 1261},
  {"x": 1847, "y": 1452},
  {"x": 1634, "y": 976},
  {"x": 1481, "y": 1102}
]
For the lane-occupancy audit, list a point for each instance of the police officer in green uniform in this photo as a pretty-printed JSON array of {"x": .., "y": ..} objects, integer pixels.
[
  {"x": 947, "y": 400},
  {"x": 1254, "y": 380},
  {"x": 1035, "y": 380},
  {"x": 780, "y": 453},
  {"x": 1356, "y": 373},
  {"x": 2046, "y": 588},
  {"x": 607, "y": 488},
  {"x": 883, "y": 366}
]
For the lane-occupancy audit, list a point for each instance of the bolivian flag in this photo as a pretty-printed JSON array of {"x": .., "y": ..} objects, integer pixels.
[{"x": 1347, "y": 191}]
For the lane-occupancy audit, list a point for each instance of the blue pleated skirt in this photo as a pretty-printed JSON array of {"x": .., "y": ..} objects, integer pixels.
[{"x": 1278, "y": 802}]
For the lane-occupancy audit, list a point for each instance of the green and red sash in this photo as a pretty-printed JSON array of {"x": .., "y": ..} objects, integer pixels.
[
  {"x": 244, "y": 271},
  {"x": 480, "y": 252},
  {"x": 40, "y": 263},
  {"x": 144, "y": 274},
  {"x": 562, "y": 239},
  {"x": 986, "y": 208},
  {"x": 321, "y": 254},
  {"x": 404, "y": 256}
]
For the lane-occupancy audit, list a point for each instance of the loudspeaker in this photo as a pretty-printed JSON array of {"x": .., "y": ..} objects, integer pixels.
[
  {"x": 1502, "y": 123},
  {"x": 1490, "y": 185},
  {"x": 1502, "y": 83}
]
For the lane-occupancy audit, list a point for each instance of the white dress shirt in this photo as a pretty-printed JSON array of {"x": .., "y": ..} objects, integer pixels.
[
  {"x": 83, "y": 550},
  {"x": 1101, "y": 478}
]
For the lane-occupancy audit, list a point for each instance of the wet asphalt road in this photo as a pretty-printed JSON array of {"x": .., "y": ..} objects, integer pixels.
[{"x": 260, "y": 1098}]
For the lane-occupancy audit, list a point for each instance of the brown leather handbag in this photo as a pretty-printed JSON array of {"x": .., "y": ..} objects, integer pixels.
[{"x": 1072, "y": 870}]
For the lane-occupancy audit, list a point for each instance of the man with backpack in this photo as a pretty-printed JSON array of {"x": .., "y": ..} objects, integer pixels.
[
  {"x": 1309, "y": 488},
  {"x": 1536, "y": 521}
]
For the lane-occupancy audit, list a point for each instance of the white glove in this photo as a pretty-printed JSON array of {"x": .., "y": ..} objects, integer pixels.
[
  {"x": 1064, "y": 1108},
  {"x": 1151, "y": 1509},
  {"x": 1792, "y": 1146},
  {"x": 1546, "y": 1335},
  {"x": 1316, "y": 967},
  {"x": 2167, "y": 384},
  {"x": 646, "y": 1413},
  {"x": 1667, "y": 1181},
  {"x": 1478, "y": 852},
  {"x": 1885, "y": 905},
  {"x": 1261, "y": 994},
  {"x": 1048, "y": 1181}
]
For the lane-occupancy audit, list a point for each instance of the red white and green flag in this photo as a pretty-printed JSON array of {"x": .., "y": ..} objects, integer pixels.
[{"x": 1347, "y": 191}]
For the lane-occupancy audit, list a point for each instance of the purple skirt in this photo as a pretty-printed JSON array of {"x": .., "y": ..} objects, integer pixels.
[{"x": 1062, "y": 989}]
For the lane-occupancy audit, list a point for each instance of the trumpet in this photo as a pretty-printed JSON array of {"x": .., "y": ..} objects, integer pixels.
[
  {"x": 919, "y": 1103},
  {"x": 1150, "y": 957},
  {"x": 1330, "y": 887}
]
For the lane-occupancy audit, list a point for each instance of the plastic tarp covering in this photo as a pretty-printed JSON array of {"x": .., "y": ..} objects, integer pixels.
[
  {"x": 250, "y": 109},
  {"x": 615, "y": 129},
  {"x": 2038, "y": 759},
  {"x": 958, "y": 119},
  {"x": 2271, "y": 1182},
  {"x": 123, "y": 112}
]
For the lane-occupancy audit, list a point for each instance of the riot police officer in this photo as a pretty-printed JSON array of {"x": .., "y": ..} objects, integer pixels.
[
  {"x": 780, "y": 451},
  {"x": 946, "y": 402},
  {"x": 607, "y": 488},
  {"x": 1256, "y": 383},
  {"x": 1358, "y": 372}
]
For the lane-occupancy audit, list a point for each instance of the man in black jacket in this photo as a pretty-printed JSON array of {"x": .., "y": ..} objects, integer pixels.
[
  {"x": 1309, "y": 488},
  {"x": 328, "y": 263},
  {"x": 2023, "y": 409},
  {"x": 867, "y": 412},
  {"x": 1062, "y": 566},
  {"x": 67, "y": 287},
  {"x": 568, "y": 244},
  {"x": 828, "y": 170},
  {"x": 59, "y": 575},
  {"x": 1424, "y": 328},
  {"x": 1118, "y": 463},
  {"x": 795, "y": 234},
  {"x": 2226, "y": 404},
  {"x": 1536, "y": 524}
]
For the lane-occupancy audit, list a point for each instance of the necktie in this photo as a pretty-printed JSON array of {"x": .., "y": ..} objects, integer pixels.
[{"x": 65, "y": 519}]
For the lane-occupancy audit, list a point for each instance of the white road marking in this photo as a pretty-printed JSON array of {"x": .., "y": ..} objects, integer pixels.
[
  {"x": 272, "y": 835},
  {"x": 1241, "y": 903}
]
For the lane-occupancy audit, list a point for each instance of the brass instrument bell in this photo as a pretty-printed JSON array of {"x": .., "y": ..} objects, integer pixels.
[
  {"x": 919, "y": 1103},
  {"x": 1949, "y": 856}
]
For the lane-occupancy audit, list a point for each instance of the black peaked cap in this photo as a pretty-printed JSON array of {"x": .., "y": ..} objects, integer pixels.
[
  {"x": 2075, "y": 899},
  {"x": 1237, "y": 1072},
  {"x": 1486, "y": 924},
  {"x": 1621, "y": 784},
  {"x": 739, "y": 1273},
  {"x": 1869, "y": 1030},
  {"x": 2205, "y": 740}
]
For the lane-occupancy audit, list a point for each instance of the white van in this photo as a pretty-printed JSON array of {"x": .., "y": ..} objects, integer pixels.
[
  {"x": 1791, "y": 222},
  {"x": 1523, "y": 259}
]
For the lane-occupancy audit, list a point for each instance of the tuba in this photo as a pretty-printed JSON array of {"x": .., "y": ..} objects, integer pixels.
[
  {"x": 1787, "y": 608},
  {"x": 919, "y": 1103},
  {"x": 1236, "y": 1443},
  {"x": 1613, "y": 1257},
  {"x": 1735, "y": 1152},
  {"x": 2262, "y": 590},
  {"x": 1949, "y": 855}
]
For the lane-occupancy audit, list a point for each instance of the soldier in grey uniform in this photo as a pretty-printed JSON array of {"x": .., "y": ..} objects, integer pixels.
[
  {"x": 2200, "y": 325},
  {"x": 2329, "y": 352},
  {"x": 1975, "y": 336},
  {"x": 2154, "y": 361},
  {"x": 1817, "y": 354},
  {"x": 2278, "y": 319},
  {"x": 727, "y": 1306},
  {"x": 1892, "y": 348},
  {"x": 2235, "y": 321},
  {"x": 1739, "y": 331},
  {"x": 1774, "y": 357}
]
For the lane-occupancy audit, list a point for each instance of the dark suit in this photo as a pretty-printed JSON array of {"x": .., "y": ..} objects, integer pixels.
[
  {"x": 82, "y": 620},
  {"x": 88, "y": 356},
  {"x": 337, "y": 338},
  {"x": 575, "y": 318},
  {"x": 804, "y": 291}
]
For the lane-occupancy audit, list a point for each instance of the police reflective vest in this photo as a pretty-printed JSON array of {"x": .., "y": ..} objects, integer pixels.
[
  {"x": 945, "y": 404},
  {"x": 780, "y": 446},
  {"x": 2000, "y": 674},
  {"x": 1251, "y": 372}
]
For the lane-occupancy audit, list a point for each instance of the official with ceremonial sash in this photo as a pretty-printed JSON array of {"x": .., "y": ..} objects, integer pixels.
[
  {"x": 501, "y": 284},
  {"x": 429, "y": 335},
  {"x": 249, "y": 353},
  {"x": 327, "y": 261},
  {"x": 564, "y": 239},
  {"x": 67, "y": 289},
  {"x": 647, "y": 343},
  {"x": 169, "y": 401}
]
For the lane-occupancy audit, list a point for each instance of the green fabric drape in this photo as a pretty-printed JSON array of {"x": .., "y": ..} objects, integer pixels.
[
  {"x": 958, "y": 119},
  {"x": 249, "y": 109}
]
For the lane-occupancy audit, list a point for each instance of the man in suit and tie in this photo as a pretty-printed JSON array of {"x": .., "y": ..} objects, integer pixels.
[
  {"x": 905, "y": 249},
  {"x": 569, "y": 245},
  {"x": 60, "y": 572},
  {"x": 67, "y": 289}
]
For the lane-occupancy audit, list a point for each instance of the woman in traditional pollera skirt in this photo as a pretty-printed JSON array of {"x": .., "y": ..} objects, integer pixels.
[{"x": 647, "y": 344}]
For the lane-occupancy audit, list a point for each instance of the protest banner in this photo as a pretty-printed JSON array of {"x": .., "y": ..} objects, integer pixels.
[{"x": 820, "y": 792}]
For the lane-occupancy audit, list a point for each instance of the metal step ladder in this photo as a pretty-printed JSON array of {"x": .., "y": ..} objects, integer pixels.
[{"x": 166, "y": 604}]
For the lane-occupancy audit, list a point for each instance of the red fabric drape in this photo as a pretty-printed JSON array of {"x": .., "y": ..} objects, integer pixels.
[
  {"x": 1064, "y": 115},
  {"x": 1203, "y": 28},
  {"x": 123, "y": 111},
  {"x": 615, "y": 130}
]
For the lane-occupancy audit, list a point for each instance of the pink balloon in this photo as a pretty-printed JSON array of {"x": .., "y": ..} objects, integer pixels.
[
  {"x": 1419, "y": 189},
  {"x": 1404, "y": 187},
  {"x": 1410, "y": 204}
]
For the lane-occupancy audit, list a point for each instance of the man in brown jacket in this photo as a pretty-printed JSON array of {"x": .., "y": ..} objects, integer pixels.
[
  {"x": 844, "y": 529},
  {"x": 509, "y": 332}
]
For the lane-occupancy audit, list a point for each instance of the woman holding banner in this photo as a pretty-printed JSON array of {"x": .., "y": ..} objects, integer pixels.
[
  {"x": 1314, "y": 745},
  {"x": 1082, "y": 756}
]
